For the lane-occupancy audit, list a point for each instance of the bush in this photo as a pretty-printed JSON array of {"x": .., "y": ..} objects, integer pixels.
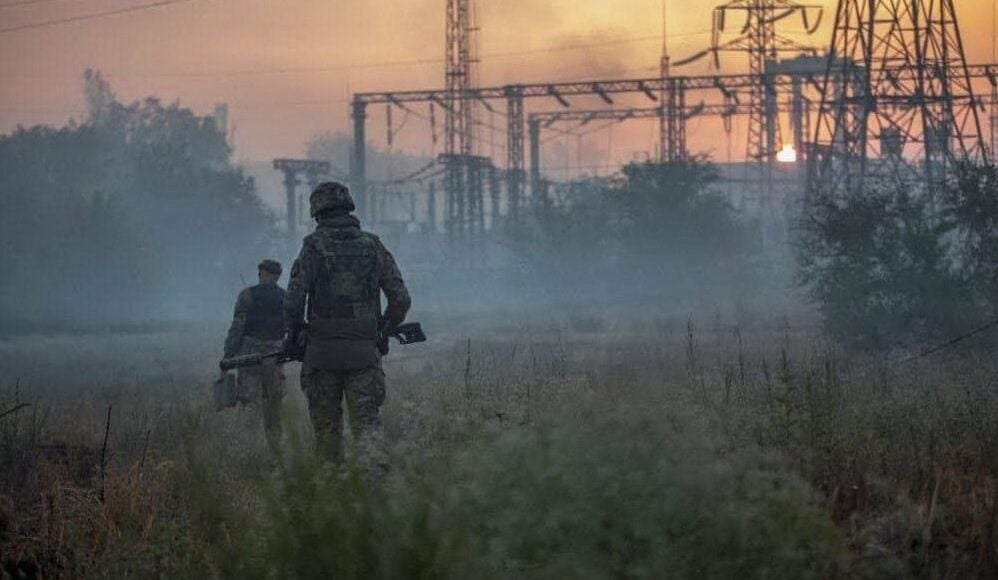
[
  {"x": 890, "y": 264},
  {"x": 662, "y": 228},
  {"x": 625, "y": 497}
]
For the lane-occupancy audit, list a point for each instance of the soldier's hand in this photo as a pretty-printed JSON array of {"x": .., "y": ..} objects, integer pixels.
[
  {"x": 292, "y": 345},
  {"x": 383, "y": 334}
]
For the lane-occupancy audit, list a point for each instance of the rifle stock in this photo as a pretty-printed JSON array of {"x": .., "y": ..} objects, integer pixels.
[{"x": 408, "y": 333}]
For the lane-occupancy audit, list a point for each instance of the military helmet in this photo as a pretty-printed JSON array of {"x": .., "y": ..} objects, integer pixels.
[{"x": 330, "y": 196}]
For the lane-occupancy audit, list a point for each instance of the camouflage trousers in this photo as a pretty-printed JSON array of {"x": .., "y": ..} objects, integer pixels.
[
  {"x": 364, "y": 392},
  {"x": 262, "y": 387}
]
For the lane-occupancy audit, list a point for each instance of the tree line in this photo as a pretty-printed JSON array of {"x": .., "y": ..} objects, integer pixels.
[{"x": 135, "y": 213}]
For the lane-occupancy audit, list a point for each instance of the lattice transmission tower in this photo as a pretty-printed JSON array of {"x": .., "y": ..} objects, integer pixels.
[
  {"x": 897, "y": 100},
  {"x": 668, "y": 149},
  {"x": 461, "y": 61},
  {"x": 463, "y": 198},
  {"x": 760, "y": 40}
]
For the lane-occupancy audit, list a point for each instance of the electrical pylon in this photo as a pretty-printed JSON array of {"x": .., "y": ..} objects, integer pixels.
[
  {"x": 897, "y": 100},
  {"x": 460, "y": 72},
  {"x": 459, "y": 123},
  {"x": 666, "y": 115},
  {"x": 763, "y": 44}
]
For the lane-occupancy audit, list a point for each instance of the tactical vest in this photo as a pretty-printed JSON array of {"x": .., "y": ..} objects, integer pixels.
[
  {"x": 265, "y": 316},
  {"x": 344, "y": 302},
  {"x": 346, "y": 280}
]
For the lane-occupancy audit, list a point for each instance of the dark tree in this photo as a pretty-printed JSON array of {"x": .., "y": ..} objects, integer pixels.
[
  {"x": 895, "y": 265},
  {"x": 134, "y": 214},
  {"x": 658, "y": 232}
]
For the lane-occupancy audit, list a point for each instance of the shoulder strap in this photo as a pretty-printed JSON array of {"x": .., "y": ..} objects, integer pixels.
[
  {"x": 323, "y": 276},
  {"x": 248, "y": 292}
]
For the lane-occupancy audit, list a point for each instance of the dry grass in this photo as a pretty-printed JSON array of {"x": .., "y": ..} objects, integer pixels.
[{"x": 505, "y": 439}]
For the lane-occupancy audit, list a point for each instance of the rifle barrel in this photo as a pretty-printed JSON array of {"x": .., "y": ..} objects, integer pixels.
[{"x": 247, "y": 360}]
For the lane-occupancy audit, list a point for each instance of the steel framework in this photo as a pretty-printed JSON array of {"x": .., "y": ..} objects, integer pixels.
[
  {"x": 462, "y": 185},
  {"x": 514, "y": 149},
  {"x": 759, "y": 39},
  {"x": 293, "y": 169},
  {"x": 729, "y": 87},
  {"x": 898, "y": 102},
  {"x": 671, "y": 143},
  {"x": 731, "y": 90},
  {"x": 731, "y": 108},
  {"x": 460, "y": 63}
]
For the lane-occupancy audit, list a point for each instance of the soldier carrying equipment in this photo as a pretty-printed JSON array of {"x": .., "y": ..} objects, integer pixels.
[
  {"x": 257, "y": 328},
  {"x": 336, "y": 287}
]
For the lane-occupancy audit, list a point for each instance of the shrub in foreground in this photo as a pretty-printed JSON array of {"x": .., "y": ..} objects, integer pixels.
[{"x": 626, "y": 497}]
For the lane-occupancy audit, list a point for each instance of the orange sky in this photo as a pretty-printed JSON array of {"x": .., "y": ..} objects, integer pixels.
[{"x": 207, "y": 51}]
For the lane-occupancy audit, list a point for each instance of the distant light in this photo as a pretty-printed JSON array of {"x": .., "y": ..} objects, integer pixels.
[{"x": 787, "y": 155}]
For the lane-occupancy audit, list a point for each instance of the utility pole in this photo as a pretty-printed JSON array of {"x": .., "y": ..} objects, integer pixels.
[
  {"x": 901, "y": 109},
  {"x": 358, "y": 156},
  {"x": 514, "y": 150}
]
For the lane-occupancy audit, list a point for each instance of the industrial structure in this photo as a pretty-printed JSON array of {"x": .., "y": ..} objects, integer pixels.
[
  {"x": 898, "y": 100},
  {"x": 297, "y": 172},
  {"x": 797, "y": 109},
  {"x": 761, "y": 42},
  {"x": 464, "y": 171},
  {"x": 892, "y": 97},
  {"x": 726, "y": 88}
]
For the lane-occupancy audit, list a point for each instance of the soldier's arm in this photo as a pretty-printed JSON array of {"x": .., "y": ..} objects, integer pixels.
[
  {"x": 298, "y": 285},
  {"x": 234, "y": 340},
  {"x": 391, "y": 283}
]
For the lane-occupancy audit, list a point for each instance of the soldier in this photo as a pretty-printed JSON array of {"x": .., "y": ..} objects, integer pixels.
[
  {"x": 257, "y": 327},
  {"x": 340, "y": 274}
]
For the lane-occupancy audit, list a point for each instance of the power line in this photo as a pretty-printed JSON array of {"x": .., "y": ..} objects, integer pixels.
[
  {"x": 25, "y": 3},
  {"x": 387, "y": 64},
  {"x": 605, "y": 43},
  {"x": 91, "y": 16},
  {"x": 941, "y": 346},
  {"x": 38, "y": 111},
  {"x": 293, "y": 70}
]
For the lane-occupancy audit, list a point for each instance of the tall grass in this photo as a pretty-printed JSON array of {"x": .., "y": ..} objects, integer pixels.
[
  {"x": 625, "y": 495},
  {"x": 668, "y": 448}
]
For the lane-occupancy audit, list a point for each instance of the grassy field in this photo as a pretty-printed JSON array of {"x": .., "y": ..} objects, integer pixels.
[{"x": 599, "y": 445}]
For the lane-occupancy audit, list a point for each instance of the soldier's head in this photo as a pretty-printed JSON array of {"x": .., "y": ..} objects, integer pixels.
[
  {"x": 269, "y": 271},
  {"x": 330, "y": 199}
]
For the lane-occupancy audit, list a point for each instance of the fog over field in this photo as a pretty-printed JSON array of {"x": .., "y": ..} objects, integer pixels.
[{"x": 647, "y": 355}]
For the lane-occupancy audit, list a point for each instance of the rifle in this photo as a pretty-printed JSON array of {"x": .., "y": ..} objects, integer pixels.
[{"x": 408, "y": 333}]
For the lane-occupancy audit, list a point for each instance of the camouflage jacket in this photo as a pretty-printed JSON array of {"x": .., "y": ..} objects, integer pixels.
[{"x": 304, "y": 299}]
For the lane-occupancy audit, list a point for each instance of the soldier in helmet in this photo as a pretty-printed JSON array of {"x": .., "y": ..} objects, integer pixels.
[
  {"x": 339, "y": 277},
  {"x": 258, "y": 327}
]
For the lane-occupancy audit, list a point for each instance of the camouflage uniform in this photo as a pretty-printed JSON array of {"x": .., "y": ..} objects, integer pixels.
[
  {"x": 257, "y": 328},
  {"x": 339, "y": 276}
]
